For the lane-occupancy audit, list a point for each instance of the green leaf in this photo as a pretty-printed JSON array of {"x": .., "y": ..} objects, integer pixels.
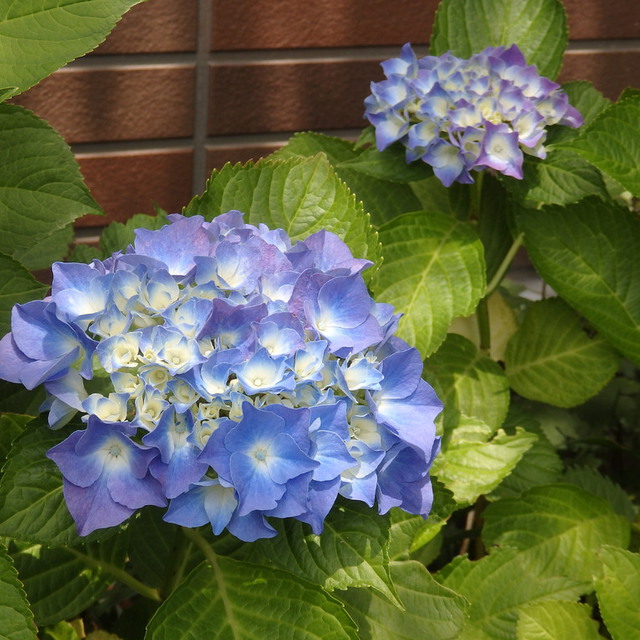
[
  {"x": 431, "y": 610},
  {"x": 59, "y": 584},
  {"x": 60, "y": 631},
  {"x": 468, "y": 382},
  {"x": 551, "y": 359},
  {"x": 299, "y": 195},
  {"x": 381, "y": 198},
  {"x": 7, "y": 92},
  {"x": 242, "y": 601},
  {"x": 588, "y": 253},
  {"x": 11, "y": 426},
  {"x": 590, "y": 480},
  {"x": 538, "y": 27},
  {"x": 408, "y": 533},
  {"x": 32, "y": 507},
  {"x": 471, "y": 465},
  {"x": 562, "y": 177},
  {"x": 84, "y": 253},
  {"x": 618, "y": 591},
  {"x": 41, "y": 189},
  {"x": 350, "y": 552},
  {"x": 557, "y": 621},
  {"x": 17, "y": 620},
  {"x": 561, "y": 525},
  {"x": 612, "y": 141},
  {"x": 497, "y": 586},
  {"x": 433, "y": 272},
  {"x": 39, "y": 36},
  {"x": 17, "y": 286},
  {"x": 118, "y": 236}
]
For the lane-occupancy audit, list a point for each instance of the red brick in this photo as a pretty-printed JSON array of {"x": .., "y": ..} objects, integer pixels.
[
  {"x": 132, "y": 182},
  {"x": 603, "y": 19},
  {"x": 264, "y": 24},
  {"x": 256, "y": 98},
  {"x": 116, "y": 103},
  {"x": 610, "y": 71},
  {"x": 155, "y": 27},
  {"x": 217, "y": 157}
]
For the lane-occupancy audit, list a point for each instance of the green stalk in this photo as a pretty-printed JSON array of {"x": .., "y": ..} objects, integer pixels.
[
  {"x": 484, "y": 329},
  {"x": 119, "y": 574},
  {"x": 504, "y": 265}
]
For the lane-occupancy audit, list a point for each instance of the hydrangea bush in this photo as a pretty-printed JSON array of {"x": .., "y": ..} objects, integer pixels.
[{"x": 319, "y": 402}]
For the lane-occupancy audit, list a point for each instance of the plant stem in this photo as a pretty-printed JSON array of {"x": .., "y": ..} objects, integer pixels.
[
  {"x": 484, "y": 329},
  {"x": 504, "y": 265},
  {"x": 118, "y": 574}
]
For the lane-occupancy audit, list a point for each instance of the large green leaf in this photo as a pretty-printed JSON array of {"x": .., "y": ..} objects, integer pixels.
[
  {"x": 39, "y": 36},
  {"x": 433, "y": 272},
  {"x": 551, "y": 359},
  {"x": 350, "y": 552},
  {"x": 618, "y": 591},
  {"x": 557, "y": 620},
  {"x": 381, "y": 197},
  {"x": 538, "y": 27},
  {"x": 17, "y": 285},
  {"x": 468, "y": 382},
  {"x": 11, "y": 426},
  {"x": 472, "y": 464},
  {"x": 561, "y": 525},
  {"x": 299, "y": 195},
  {"x": 241, "y": 601},
  {"x": 612, "y": 142},
  {"x": 59, "y": 584},
  {"x": 431, "y": 610},
  {"x": 588, "y": 252},
  {"x": 497, "y": 586},
  {"x": 41, "y": 189},
  {"x": 15, "y": 616}
]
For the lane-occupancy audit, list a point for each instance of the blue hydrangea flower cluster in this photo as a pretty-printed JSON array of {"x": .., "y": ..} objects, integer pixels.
[
  {"x": 226, "y": 373},
  {"x": 457, "y": 115}
]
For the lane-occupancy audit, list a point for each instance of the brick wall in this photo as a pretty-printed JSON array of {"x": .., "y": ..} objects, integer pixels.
[{"x": 182, "y": 86}]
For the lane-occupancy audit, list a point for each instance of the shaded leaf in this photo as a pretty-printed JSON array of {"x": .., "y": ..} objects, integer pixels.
[
  {"x": 557, "y": 621},
  {"x": 17, "y": 620}
]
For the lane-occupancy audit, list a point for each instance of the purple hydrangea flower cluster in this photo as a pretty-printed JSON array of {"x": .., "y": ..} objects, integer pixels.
[
  {"x": 229, "y": 374},
  {"x": 458, "y": 115}
]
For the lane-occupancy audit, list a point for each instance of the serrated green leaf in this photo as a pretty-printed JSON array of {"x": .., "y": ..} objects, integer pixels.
[
  {"x": 563, "y": 177},
  {"x": 557, "y": 621},
  {"x": 299, "y": 195},
  {"x": 39, "y": 36},
  {"x": 431, "y": 610},
  {"x": 41, "y": 189},
  {"x": 560, "y": 525},
  {"x": 471, "y": 465},
  {"x": 16, "y": 618},
  {"x": 588, "y": 253},
  {"x": 590, "y": 480},
  {"x": 117, "y": 236},
  {"x": 381, "y": 198},
  {"x": 497, "y": 586},
  {"x": 538, "y": 27},
  {"x": 468, "y": 382},
  {"x": 389, "y": 164},
  {"x": 32, "y": 506},
  {"x": 612, "y": 141},
  {"x": 433, "y": 272},
  {"x": 350, "y": 552},
  {"x": 551, "y": 359},
  {"x": 618, "y": 591},
  {"x": 17, "y": 286},
  {"x": 59, "y": 584},
  {"x": 60, "y": 631},
  {"x": 242, "y": 601}
]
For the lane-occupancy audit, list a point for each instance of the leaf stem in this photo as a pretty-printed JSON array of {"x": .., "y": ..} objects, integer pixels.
[
  {"x": 484, "y": 328},
  {"x": 504, "y": 265},
  {"x": 119, "y": 574}
]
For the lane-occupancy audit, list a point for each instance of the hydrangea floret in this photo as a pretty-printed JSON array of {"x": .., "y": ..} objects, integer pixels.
[
  {"x": 459, "y": 115},
  {"x": 228, "y": 374}
]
